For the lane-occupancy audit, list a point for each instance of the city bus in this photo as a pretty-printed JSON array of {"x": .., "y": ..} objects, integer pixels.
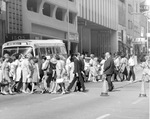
[{"x": 35, "y": 47}]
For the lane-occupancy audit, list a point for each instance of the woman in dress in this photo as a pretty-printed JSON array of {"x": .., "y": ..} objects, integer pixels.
[
  {"x": 60, "y": 71},
  {"x": 102, "y": 67},
  {"x": 71, "y": 69},
  {"x": 90, "y": 77},
  {"x": 1, "y": 76},
  {"x": 123, "y": 67},
  {"x": 146, "y": 69},
  {"x": 53, "y": 63},
  {"x": 6, "y": 73},
  {"x": 45, "y": 67},
  {"x": 95, "y": 69},
  {"x": 26, "y": 72},
  {"x": 36, "y": 75}
]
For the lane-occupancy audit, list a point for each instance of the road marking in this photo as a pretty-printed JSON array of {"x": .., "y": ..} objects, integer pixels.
[
  {"x": 64, "y": 96},
  {"x": 137, "y": 101},
  {"x": 104, "y": 116}
]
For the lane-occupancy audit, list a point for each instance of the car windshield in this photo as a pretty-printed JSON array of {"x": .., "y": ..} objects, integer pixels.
[{"x": 19, "y": 49}]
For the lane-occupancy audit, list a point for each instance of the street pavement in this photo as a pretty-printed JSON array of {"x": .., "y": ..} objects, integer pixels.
[{"x": 122, "y": 103}]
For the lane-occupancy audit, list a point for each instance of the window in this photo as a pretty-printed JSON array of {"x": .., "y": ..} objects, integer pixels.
[
  {"x": 32, "y": 5},
  {"x": 137, "y": 7},
  {"x": 130, "y": 24},
  {"x": 122, "y": 1},
  {"x": 60, "y": 13},
  {"x": 57, "y": 50},
  {"x": 20, "y": 49},
  {"x": 63, "y": 50},
  {"x": 71, "y": 17},
  {"x": 53, "y": 50},
  {"x": 130, "y": 9},
  {"x": 122, "y": 13},
  {"x": 48, "y": 9},
  {"x": 49, "y": 51},
  {"x": 43, "y": 51}
]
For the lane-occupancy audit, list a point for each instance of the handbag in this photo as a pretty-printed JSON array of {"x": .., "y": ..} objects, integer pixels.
[
  {"x": 60, "y": 80},
  {"x": 49, "y": 70}
]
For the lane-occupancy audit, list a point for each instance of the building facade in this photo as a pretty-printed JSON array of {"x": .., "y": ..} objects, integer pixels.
[
  {"x": 89, "y": 26},
  {"x": 43, "y": 19},
  {"x": 136, "y": 28},
  {"x": 122, "y": 27},
  {"x": 2, "y": 23},
  {"x": 97, "y": 26}
]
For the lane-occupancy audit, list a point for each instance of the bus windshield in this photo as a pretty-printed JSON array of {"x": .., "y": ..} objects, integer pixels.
[{"x": 18, "y": 49}]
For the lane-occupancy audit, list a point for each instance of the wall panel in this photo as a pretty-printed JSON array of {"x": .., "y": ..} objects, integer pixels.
[{"x": 103, "y": 12}]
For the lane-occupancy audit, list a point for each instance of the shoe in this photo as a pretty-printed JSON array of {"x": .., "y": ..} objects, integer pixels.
[
  {"x": 63, "y": 93},
  {"x": 4, "y": 93},
  {"x": 68, "y": 91},
  {"x": 24, "y": 92},
  {"x": 131, "y": 81},
  {"x": 84, "y": 91},
  {"x": 31, "y": 92},
  {"x": 11, "y": 93},
  {"x": 43, "y": 91},
  {"x": 111, "y": 89},
  {"x": 54, "y": 92}
]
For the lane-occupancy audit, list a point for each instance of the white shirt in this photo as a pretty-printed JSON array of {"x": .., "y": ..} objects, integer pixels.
[
  {"x": 117, "y": 62},
  {"x": 131, "y": 61}
]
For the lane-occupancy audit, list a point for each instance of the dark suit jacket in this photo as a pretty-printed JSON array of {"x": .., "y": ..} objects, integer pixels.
[
  {"x": 77, "y": 66},
  {"x": 109, "y": 66},
  {"x": 81, "y": 64}
]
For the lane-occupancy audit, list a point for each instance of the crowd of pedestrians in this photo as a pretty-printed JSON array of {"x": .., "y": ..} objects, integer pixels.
[{"x": 24, "y": 74}]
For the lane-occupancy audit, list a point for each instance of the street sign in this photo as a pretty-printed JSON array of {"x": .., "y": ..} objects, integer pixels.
[
  {"x": 144, "y": 8},
  {"x": 73, "y": 37}
]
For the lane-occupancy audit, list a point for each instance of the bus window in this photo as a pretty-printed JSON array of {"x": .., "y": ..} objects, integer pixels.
[
  {"x": 49, "y": 51},
  {"x": 25, "y": 50},
  {"x": 21, "y": 50},
  {"x": 63, "y": 50},
  {"x": 10, "y": 51},
  {"x": 58, "y": 50},
  {"x": 53, "y": 50},
  {"x": 36, "y": 51},
  {"x": 43, "y": 52}
]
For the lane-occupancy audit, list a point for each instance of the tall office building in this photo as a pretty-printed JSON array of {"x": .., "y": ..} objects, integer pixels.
[
  {"x": 97, "y": 26},
  {"x": 2, "y": 23},
  {"x": 110, "y": 25}
]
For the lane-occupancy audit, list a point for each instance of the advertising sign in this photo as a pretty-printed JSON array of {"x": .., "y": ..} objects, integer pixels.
[{"x": 11, "y": 37}]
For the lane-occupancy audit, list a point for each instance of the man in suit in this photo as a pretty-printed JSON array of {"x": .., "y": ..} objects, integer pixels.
[
  {"x": 109, "y": 70},
  {"x": 77, "y": 72},
  {"x": 81, "y": 64}
]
